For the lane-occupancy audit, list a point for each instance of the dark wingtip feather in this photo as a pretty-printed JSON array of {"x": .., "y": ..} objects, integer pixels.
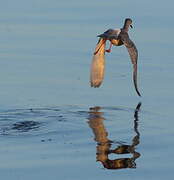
[
  {"x": 135, "y": 79},
  {"x": 95, "y": 85}
]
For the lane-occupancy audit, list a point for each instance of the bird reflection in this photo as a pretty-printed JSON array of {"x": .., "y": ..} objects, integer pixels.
[{"x": 103, "y": 149}]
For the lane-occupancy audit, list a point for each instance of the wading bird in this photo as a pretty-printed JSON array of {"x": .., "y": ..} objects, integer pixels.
[{"x": 117, "y": 37}]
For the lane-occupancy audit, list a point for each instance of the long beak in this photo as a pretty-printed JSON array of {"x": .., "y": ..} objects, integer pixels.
[{"x": 131, "y": 26}]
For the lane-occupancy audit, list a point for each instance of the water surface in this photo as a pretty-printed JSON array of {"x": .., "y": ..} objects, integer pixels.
[{"x": 52, "y": 124}]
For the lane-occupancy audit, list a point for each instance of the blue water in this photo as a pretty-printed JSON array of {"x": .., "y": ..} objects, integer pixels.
[{"x": 45, "y": 55}]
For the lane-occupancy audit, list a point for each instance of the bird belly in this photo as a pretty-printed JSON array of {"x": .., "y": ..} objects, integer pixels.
[{"x": 116, "y": 42}]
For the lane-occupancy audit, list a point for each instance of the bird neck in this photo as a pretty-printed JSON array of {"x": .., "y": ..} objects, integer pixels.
[{"x": 126, "y": 27}]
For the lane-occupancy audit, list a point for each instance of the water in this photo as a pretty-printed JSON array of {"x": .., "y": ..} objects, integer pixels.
[{"x": 52, "y": 124}]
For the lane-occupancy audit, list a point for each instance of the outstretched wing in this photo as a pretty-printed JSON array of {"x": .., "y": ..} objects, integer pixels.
[
  {"x": 133, "y": 52},
  {"x": 98, "y": 64}
]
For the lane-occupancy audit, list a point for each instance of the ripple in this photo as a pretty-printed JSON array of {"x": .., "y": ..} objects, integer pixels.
[
  {"x": 29, "y": 121},
  {"x": 25, "y": 126},
  {"x": 39, "y": 121},
  {"x": 62, "y": 120}
]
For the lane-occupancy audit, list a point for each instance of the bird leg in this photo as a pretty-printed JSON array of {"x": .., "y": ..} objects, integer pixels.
[
  {"x": 97, "y": 50},
  {"x": 109, "y": 50}
]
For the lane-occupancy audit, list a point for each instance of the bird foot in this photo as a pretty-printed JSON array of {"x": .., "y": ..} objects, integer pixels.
[{"x": 108, "y": 50}]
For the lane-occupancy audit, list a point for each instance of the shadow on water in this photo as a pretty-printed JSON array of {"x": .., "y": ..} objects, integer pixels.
[{"x": 103, "y": 148}]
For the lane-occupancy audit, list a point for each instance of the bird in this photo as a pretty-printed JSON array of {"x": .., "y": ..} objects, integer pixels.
[{"x": 117, "y": 37}]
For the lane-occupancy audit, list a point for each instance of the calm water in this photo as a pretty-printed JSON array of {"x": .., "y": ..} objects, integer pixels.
[{"x": 52, "y": 124}]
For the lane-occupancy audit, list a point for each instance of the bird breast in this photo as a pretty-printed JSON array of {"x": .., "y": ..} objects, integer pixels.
[{"x": 116, "y": 42}]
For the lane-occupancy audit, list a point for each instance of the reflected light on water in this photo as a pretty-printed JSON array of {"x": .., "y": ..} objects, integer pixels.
[{"x": 103, "y": 148}]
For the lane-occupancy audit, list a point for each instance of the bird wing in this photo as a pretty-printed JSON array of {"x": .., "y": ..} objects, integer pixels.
[
  {"x": 110, "y": 34},
  {"x": 133, "y": 53},
  {"x": 98, "y": 64}
]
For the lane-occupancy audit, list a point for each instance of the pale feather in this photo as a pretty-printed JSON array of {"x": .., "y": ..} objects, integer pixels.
[{"x": 98, "y": 64}]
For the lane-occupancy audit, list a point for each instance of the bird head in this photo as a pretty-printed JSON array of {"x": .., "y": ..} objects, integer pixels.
[{"x": 128, "y": 22}]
